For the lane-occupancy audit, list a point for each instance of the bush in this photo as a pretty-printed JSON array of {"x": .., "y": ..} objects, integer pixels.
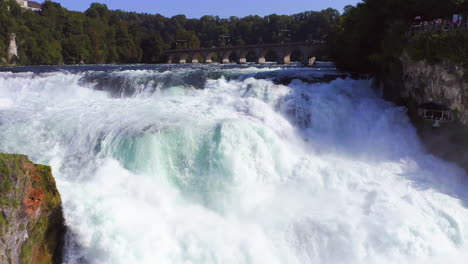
[{"x": 435, "y": 47}]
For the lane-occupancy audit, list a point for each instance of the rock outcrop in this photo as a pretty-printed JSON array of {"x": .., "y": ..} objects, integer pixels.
[
  {"x": 12, "y": 55},
  {"x": 444, "y": 84},
  {"x": 31, "y": 219}
]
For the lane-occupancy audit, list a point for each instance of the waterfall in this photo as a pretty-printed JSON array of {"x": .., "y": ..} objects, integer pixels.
[{"x": 227, "y": 164}]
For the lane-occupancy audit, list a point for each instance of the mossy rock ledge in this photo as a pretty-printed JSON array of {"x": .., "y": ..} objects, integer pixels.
[{"x": 32, "y": 226}]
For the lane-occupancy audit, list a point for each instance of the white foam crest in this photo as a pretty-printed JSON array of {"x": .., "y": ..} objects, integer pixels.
[{"x": 21, "y": 88}]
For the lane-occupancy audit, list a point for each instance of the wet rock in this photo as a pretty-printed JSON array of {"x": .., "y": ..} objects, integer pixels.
[{"x": 31, "y": 220}]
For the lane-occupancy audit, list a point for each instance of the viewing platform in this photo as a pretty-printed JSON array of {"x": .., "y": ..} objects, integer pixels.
[{"x": 435, "y": 113}]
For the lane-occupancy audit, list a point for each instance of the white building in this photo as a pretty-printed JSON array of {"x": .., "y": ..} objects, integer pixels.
[{"x": 31, "y": 5}]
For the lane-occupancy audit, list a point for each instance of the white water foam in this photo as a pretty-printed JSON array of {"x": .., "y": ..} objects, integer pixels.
[{"x": 241, "y": 172}]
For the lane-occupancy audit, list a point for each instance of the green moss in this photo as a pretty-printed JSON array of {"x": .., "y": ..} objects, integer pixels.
[
  {"x": 11, "y": 166},
  {"x": 37, "y": 231},
  {"x": 3, "y": 219},
  {"x": 44, "y": 241},
  {"x": 48, "y": 186},
  {"x": 45, "y": 234},
  {"x": 3, "y": 224}
]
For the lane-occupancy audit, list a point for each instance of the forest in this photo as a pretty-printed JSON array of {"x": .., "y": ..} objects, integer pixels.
[
  {"x": 99, "y": 35},
  {"x": 371, "y": 36},
  {"x": 367, "y": 37}
]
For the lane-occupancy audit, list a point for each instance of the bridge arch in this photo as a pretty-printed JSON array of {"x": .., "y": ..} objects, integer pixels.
[
  {"x": 283, "y": 53},
  {"x": 170, "y": 58},
  {"x": 208, "y": 57},
  {"x": 226, "y": 56},
  {"x": 234, "y": 57},
  {"x": 310, "y": 55},
  {"x": 283, "y": 56},
  {"x": 180, "y": 58},
  {"x": 266, "y": 55},
  {"x": 297, "y": 55},
  {"x": 248, "y": 54},
  {"x": 196, "y": 57}
]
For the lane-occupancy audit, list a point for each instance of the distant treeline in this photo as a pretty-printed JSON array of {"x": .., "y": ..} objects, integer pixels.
[
  {"x": 372, "y": 35},
  {"x": 99, "y": 35}
]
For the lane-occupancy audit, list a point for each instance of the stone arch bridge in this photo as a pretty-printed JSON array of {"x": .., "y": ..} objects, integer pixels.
[{"x": 305, "y": 52}]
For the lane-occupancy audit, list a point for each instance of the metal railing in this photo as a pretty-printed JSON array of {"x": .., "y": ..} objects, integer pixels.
[
  {"x": 267, "y": 45},
  {"x": 436, "y": 115},
  {"x": 424, "y": 27}
]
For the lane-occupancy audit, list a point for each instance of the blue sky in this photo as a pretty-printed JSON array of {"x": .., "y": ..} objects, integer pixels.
[{"x": 223, "y": 8}]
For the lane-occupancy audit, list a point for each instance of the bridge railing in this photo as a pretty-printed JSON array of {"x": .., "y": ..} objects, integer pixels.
[{"x": 252, "y": 46}]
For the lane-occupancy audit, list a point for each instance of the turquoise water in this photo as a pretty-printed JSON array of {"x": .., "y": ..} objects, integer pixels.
[{"x": 227, "y": 164}]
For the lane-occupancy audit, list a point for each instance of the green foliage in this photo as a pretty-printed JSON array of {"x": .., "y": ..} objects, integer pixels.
[
  {"x": 153, "y": 48},
  {"x": 9, "y": 203},
  {"x": 47, "y": 185},
  {"x": 99, "y": 35},
  {"x": 3, "y": 220},
  {"x": 371, "y": 35},
  {"x": 440, "y": 46},
  {"x": 10, "y": 167},
  {"x": 190, "y": 39}
]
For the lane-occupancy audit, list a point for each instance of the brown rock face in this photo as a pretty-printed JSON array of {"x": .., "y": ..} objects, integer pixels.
[
  {"x": 444, "y": 84},
  {"x": 31, "y": 220}
]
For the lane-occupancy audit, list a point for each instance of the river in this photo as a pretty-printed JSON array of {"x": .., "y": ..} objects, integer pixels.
[{"x": 233, "y": 164}]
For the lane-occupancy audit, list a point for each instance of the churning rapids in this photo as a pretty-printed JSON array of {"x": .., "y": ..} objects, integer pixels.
[{"x": 229, "y": 164}]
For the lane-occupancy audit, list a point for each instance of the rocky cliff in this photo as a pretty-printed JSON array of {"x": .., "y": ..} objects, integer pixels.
[
  {"x": 31, "y": 220},
  {"x": 12, "y": 55},
  {"x": 445, "y": 84}
]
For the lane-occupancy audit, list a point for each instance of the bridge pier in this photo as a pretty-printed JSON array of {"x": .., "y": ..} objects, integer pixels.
[
  {"x": 183, "y": 58},
  {"x": 170, "y": 59},
  {"x": 225, "y": 56},
  {"x": 208, "y": 56},
  {"x": 195, "y": 56},
  {"x": 243, "y": 56},
  {"x": 261, "y": 60},
  {"x": 284, "y": 59},
  {"x": 311, "y": 61}
]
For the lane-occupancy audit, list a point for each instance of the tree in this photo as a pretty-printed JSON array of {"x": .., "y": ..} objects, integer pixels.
[
  {"x": 188, "y": 39},
  {"x": 153, "y": 48},
  {"x": 100, "y": 35}
]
